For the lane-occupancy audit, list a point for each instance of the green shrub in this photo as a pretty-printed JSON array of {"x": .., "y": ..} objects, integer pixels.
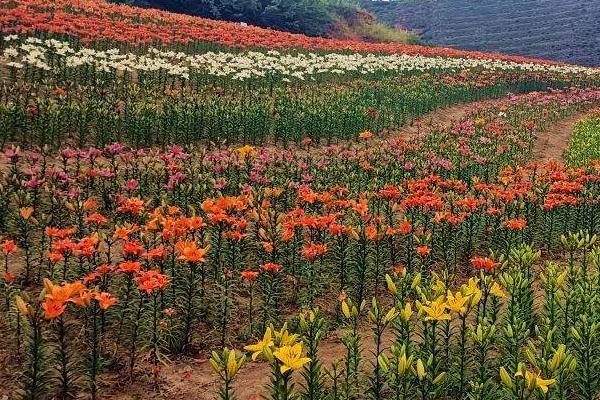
[{"x": 381, "y": 33}]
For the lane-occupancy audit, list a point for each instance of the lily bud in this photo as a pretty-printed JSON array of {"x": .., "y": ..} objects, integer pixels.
[
  {"x": 420, "y": 369},
  {"x": 21, "y": 305},
  {"x": 558, "y": 357},
  {"x": 416, "y": 281},
  {"x": 391, "y": 315},
  {"x": 404, "y": 363},
  {"x": 391, "y": 285},
  {"x": 345, "y": 310},
  {"x": 406, "y": 313},
  {"x": 383, "y": 363},
  {"x": 506, "y": 379},
  {"x": 232, "y": 366},
  {"x": 440, "y": 378}
]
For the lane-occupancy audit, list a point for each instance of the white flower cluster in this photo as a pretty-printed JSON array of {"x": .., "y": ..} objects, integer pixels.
[{"x": 51, "y": 53}]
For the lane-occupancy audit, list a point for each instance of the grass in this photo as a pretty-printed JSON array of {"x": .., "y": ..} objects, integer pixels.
[
  {"x": 380, "y": 33},
  {"x": 362, "y": 25},
  {"x": 585, "y": 142}
]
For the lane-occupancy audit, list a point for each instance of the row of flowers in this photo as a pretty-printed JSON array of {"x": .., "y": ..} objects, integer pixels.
[
  {"x": 51, "y": 54},
  {"x": 485, "y": 338},
  {"x": 477, "y": 145},
  {"x": 83, "y": 106},
  {"x": 440, "y": 336}
]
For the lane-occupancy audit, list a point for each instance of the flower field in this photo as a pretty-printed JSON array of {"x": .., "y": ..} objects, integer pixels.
[
  {"x": 179, "y": 193},
  {"x": 88, "y": 96}
]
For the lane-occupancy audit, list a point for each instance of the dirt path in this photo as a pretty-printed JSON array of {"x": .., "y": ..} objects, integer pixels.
[
  {"x": 447, "y": 116},
  {"x": 552, "y": 143},
  {"x": 549, "y": 145}
]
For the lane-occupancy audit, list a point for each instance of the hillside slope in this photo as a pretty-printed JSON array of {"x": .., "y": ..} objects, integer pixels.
[
  {"x": 552, "y": 29},
  {"x": 342, "y": 19},
  {"x": 97, "y": 20}
]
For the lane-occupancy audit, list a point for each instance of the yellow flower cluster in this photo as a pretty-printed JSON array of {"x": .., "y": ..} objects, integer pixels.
[
  {"x": 280, "y": 347},
  {"x": 532, "y": 380},
  {"x": 460, "y": 302},
  {"x": 227, "y": 364}
]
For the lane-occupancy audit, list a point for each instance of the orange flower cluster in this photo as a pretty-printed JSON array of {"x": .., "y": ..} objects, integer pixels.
[
  {"x": 150, "y": 281},
  {"x": 8, "y": 246},
  {"x": 516, "y": 224},
  {"x": 484, "y": 263},
  {"x": 189, "y": 251},
  {"x": 172, "y": 225},
  {"x": 58, "y": 296},
  {"x": 313, "y": 251},
  {"x": 133, "y": 206},
  {"x": 62, "y": 246},
  {"x": 272, "y": 267},
  {"x": 249, "y": 275}
]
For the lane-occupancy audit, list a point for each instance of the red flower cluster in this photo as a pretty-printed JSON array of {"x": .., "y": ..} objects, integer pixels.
[{"x": 484, "y": 263}]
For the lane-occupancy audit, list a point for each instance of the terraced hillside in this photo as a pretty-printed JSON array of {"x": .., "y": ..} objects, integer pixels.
[{"x": 564, "y": 30}]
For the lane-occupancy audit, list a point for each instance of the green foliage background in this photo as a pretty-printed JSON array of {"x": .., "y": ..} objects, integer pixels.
[{"x": 311, "y": 17}]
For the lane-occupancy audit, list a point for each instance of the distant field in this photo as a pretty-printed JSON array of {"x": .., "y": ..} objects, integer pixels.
[{"x": 551, "y": 29}]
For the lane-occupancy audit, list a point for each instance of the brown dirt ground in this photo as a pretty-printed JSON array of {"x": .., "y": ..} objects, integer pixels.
[{"x": 445, "y": 117}]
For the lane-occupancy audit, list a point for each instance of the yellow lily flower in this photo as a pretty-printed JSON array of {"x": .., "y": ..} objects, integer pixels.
[
  {"x": 479, "y": 122},
  {"x": 457, "y": 303},
  {"x": 496, "y": 290},
  {"x": 436, "y": 310},
  {"x": 535, "y": 381},
  {"x": 284, "y": 338},
  {"x": 246, "y": 151},
  {"x": 291, "y": 357},
  {"x": 543, "y": 384},
  {"x": 471, "y": 289},
  {"x": 262, "y": 346}
]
